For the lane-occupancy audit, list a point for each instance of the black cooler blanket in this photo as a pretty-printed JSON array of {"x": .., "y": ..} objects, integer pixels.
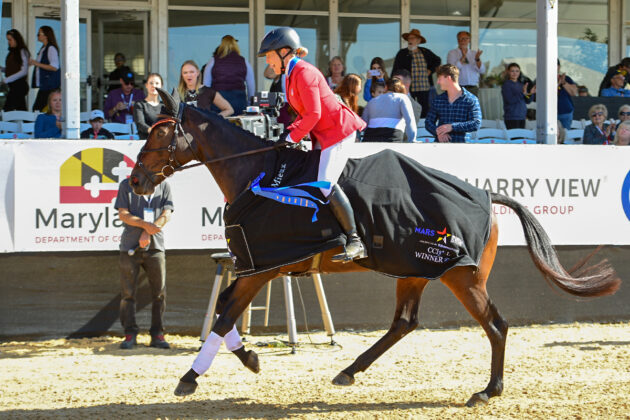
[{"x": 416, "y": 221}]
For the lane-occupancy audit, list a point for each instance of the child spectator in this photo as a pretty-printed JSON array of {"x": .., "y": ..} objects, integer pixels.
[
  {"x": 49, "y": 125},
  {"x": 97, "y": 132}
]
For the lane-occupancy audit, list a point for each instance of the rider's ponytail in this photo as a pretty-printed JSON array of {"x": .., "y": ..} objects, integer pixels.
[{"x": 301, "y": 52}]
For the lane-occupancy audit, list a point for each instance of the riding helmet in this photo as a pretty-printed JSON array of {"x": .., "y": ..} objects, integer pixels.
[{"x": 279, "y": 38}]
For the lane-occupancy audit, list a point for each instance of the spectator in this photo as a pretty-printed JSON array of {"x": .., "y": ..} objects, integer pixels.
[
  {"x": 376, "y": 73},
  {"x": 420, "y": 63},
  {"x": 119, "y": 103},
  {"x": 16, "y": 71},
  {"x": 349, "y": 91},
  {"x": 599, "y": 132},
  {"x": 49, "y": 125},
  {"x": 456, "y": 109},
  {"x": 468, "y": 62},
  {"x": 389, "y": 116},
  {"x": 583, "y": 91},
  {"x": 194, "y": 93},
  {"x": 622, "y": 138},
  {"x": 116, "y": 74},
  {"x": 228, "y": 73},
  {"x": 566, "y": 89},
  {"x": 97, "y": 132},
  {"x": 146, "y": 111},
  {"x": 405, "y": 77},
  {"x": 624, "y": 113},
  {"x": 624, "y": 65},
  {"x": 617, "y": 82},
  {"x": 46, "y": 76},
  {"x": 336, "y": 72},
  {"x": 379, "y": 88},
  {"x": 143, "y": 217},
  {"x": 515, "y": 98}
]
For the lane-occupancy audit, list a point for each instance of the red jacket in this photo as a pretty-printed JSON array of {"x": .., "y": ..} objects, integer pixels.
[{"x": 319, "y": 112}]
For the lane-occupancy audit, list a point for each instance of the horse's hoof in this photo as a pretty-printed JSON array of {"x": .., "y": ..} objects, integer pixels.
[
  {"x": 185, "y": 388},
  {"x": 252, "y": 361},
  {"x": 343, "y": 379},
  {"x": 477, "y": 399}
]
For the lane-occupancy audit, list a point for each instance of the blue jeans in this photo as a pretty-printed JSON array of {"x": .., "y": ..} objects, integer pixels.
[
  {"x": 236, "y": 98},
  {"x": 566, "y": 120}
]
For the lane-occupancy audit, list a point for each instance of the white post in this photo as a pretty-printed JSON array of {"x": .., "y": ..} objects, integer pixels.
[
  {"x": 70, "y": 68},
  {"x": 546, "y": 71}
]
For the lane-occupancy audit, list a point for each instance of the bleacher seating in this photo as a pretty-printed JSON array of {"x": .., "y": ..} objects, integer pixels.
[
  {"x": 573, "y": 136},
  {"x": 19, "y": 116}
]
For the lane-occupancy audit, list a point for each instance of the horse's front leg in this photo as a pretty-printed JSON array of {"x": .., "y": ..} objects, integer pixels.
[{"x": 242, "y": 294}]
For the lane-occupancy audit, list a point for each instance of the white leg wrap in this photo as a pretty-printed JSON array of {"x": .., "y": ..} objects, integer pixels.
[
  {"x": 205, "y": 357},
  {"x": 233, "y": 340}
]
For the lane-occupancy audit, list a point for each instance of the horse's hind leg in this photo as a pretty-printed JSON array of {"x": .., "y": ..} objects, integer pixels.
[
  {"x": 469, "y": 286},
  {"x": 408, "y": 293}
]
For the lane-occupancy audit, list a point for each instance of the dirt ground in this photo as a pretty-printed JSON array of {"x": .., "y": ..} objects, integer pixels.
[{"x": 579, "y": 371}]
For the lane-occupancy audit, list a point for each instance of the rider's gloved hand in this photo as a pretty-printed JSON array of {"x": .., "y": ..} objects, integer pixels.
[{"x": 285, "y": 140}]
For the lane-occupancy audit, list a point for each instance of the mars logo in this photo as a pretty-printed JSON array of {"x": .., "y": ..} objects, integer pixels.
[
  {"x": 625, "y": 195},
  {"x": 93, "y": 175}
]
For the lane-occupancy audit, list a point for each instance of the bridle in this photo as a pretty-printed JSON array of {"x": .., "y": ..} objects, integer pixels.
[{"x": 173, "y": 164}]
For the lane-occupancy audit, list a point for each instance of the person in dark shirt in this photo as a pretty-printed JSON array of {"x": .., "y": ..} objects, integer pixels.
[
  {"x": 97, "y": 132},
  {"x": 145, "y": 112},
  {"x": 118, "y": 72},
  {"x": 624, "y": 65}
]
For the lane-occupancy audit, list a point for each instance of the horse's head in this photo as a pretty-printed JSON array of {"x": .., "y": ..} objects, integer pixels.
[{"x": 167, "y": 148}]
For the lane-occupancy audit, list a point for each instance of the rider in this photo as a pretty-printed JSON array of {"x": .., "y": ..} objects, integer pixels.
[{"x": 329, "y": 123}]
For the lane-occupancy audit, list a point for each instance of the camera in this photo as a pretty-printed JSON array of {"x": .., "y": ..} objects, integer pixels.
[
  {"x": 374, "y": 73},
  {"x": 261, "y": 117}
]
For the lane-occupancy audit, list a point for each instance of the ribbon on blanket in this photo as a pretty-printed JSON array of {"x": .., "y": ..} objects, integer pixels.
[{"x": 291, "y": 194}]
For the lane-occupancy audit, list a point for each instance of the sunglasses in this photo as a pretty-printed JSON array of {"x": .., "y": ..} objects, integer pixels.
[
  {"x": 624, "y": 114},
  {"x": 597, "y": 114}
]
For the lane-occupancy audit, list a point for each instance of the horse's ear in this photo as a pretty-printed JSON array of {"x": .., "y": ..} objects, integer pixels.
[{"x": 169, "y": 102}]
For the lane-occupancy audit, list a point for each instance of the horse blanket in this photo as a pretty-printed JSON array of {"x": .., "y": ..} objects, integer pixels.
[{"x": 415, "y": 221}]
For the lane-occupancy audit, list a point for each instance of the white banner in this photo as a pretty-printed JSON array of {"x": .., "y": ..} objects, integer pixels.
[{"x": 63, "y": 192}]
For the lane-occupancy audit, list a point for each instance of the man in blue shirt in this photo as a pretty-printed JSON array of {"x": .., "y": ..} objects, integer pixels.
[
  {"x": 456, "y": 109},
  {"x": 617, "y": 83}
]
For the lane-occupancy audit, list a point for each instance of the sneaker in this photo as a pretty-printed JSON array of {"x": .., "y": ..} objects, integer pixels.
[
  {"x": 159, "y": 342},
  {"x": 130, "y": 341}
]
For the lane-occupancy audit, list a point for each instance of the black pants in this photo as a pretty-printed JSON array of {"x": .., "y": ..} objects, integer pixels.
[
  {"x": 509, "y": 124},
  {"x": 16, "y": 98},
  {"x": 42, "y": 99},
  {"x": 422, "y": 96},
  {"x": 154, "y": 264}
]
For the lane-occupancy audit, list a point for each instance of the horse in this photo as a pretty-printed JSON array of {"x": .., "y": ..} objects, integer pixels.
[{"x": 235, "y": 157}]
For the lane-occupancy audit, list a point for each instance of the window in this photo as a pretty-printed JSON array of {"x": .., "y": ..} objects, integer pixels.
[
  {"x": 388, "y": 7},
  {"x": 445, "y": 8},
  {"x": 441, "y": 36},
  {"x": 362, "y": 39},
  {"x": 584, "y": 51},
  {"x": 506, "y": 42}
]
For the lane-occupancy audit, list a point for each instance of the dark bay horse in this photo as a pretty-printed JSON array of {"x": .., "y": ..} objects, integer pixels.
[{"x": 191, "y": 134}]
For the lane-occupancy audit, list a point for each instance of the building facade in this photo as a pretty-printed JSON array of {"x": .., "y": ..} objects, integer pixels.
[{"x": 158, "y": 35}]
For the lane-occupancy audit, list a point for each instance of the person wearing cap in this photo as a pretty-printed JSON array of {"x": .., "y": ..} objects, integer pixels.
[
  {"x": 97, "y": 132},
  {"x": 118, "y": 72},
  {"x": 421, "y": 63},
  {"x": 119, "y": 103},
  {"x": 617, "y": 83},
  {"x": 468, "y": 62},
  {"x": 230, "y": 74},
  {"x": 623, "y": 65}
]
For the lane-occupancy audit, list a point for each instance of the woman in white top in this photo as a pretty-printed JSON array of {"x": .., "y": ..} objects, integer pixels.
[
  {"x": 336, "y": 72},
  {"x": 46, "y": 75},
  {"x": 389, "y": 116},
  {"x": 16, "y": 71}
]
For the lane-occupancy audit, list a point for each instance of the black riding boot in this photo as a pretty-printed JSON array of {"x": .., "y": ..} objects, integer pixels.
[{"x": 341, "y": 208}]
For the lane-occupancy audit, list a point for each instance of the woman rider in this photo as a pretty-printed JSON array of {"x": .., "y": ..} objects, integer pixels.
[{"x": 329, "y": 123}]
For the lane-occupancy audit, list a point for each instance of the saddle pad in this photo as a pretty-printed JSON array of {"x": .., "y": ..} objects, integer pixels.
[{"x": 416, "y": 221}]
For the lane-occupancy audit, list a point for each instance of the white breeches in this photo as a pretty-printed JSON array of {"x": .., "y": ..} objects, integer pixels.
[{"x": 332, "y": 161}]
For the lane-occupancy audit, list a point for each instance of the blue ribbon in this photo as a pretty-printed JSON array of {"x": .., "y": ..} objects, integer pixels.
[{"x": 291, "y": 194}]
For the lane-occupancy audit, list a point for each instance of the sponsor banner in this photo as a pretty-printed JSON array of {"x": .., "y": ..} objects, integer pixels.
[{"x": 64, "y": 191}]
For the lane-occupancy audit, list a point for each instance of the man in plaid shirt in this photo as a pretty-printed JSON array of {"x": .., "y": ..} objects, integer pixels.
[{"x": 457, "y": 110}]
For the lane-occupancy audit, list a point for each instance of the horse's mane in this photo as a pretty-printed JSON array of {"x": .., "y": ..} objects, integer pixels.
[{"x": 232, "y": 130}]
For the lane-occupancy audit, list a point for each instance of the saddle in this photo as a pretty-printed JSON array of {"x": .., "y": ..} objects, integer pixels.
[{"x": 415, "y": 221}]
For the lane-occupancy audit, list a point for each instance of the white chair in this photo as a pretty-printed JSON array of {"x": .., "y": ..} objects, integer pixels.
[
  {"x": 84, "y": 117},
  {"x": 573, "y": 136},
  {"x": 522, "y": 141},
  {"x": 578, "y": 124},
  {"x": 490, "y": 124},
  {"x": 491, "y": 133},
  {"x": 487, "y": 141},
  {"x": 19, "y": 116},
  {"x": 27, "y": 128},
  {"x": 118, "y": 128},
  {"x": 421, "y": 122},
  {"x": 84, "y": 126},
  {"x": 521, "y": 133},
  {"x": 9, "y": 127},
  {"x": 15, "y": 136},
  {"x": 424, "y": 140},
  {"x": 423, "y": 132}
]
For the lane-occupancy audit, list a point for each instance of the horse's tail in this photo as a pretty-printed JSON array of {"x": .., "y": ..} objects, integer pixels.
[{"x": 582, "y": 280}]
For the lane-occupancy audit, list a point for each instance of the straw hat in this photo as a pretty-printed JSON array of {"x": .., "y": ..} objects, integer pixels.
[{"x": 414, "y": 32}]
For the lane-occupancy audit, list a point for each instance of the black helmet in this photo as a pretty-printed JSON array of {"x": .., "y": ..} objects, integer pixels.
[{"x": 279, "y": 38}]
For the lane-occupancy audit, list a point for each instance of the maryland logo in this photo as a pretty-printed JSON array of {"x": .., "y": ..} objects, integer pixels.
[{"x": 93, "y": 175}]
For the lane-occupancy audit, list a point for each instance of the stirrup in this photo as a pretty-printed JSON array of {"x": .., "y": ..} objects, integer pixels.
[{"x": 355, "y": 250}]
